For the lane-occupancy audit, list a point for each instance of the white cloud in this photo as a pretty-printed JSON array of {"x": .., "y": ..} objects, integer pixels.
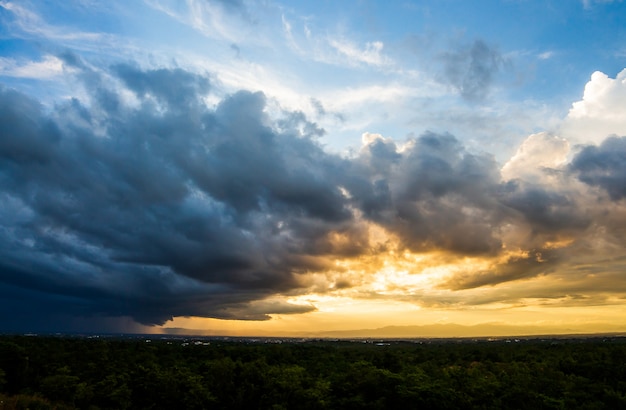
[
  {"x": 588, "y": 3},
  {"x": 31, "y": 23},
  {"x": 203, "y": 17},
  {"x": 338, "y": 50},
  {"x": 538, "y": 152},
  {"x": 289, "y": 35},
  {"x": 350, "y": 97},
  {"x": 218, "y": 20},
  {"x": 365, "y": 106},
  {"x": 600, "y": 113},
  {"x": 371, "y": 54},
  {"x": 546, "y": 55},
  {"x": 47, "y": 68}
]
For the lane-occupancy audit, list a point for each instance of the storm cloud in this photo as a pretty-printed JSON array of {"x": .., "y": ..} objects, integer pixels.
[
  {"x": 604, "y": 166},
  {"x": 141, "y": 201},
  {"x": 432, "y": 193},
  {"x": 164, "y": 201}
]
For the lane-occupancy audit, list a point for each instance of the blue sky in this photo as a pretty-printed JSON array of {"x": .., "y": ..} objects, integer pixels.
[
  {"x": 406, "y": 60},
  {"x": 296, "y": 163}
]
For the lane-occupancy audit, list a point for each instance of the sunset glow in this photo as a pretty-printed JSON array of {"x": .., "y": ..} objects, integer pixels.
[{"x": 277, "y": 168}]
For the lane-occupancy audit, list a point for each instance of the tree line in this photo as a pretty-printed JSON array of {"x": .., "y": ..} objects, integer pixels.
[{"x": 81, "y": 373}]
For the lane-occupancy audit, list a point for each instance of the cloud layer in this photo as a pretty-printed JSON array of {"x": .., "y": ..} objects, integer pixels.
[{"x": 141, "y": 201}]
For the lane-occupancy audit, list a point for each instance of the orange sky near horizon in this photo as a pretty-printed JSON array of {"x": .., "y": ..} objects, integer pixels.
[
  {"x": 284, "y": 168},
  {"x": 393, "y": 288}
]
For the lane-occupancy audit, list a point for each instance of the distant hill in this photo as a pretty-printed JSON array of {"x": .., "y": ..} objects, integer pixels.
[
  {"x": 452, "y": 330},
  {"x": 447, "y": 330}
]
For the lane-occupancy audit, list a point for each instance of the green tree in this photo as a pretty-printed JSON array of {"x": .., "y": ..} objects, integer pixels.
[{"x": 61, "y": 386}]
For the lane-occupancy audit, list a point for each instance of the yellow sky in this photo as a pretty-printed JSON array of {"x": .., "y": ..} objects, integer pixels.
[{"x": 393, "y": 288}]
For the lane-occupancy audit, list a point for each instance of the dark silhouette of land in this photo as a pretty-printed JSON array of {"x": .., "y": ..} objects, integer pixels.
[{"x": 165, "y": 372}]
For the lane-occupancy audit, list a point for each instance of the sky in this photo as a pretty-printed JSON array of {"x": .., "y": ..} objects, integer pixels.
[{"x": 289, "y": 168}]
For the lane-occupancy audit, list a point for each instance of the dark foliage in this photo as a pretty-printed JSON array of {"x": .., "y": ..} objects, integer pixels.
[{"x": 107, "y": 373}]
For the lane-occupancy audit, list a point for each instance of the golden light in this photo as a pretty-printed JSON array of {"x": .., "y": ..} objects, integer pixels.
[{"x": 392, "y": 286}]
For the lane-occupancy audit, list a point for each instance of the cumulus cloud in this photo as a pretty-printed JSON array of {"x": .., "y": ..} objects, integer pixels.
[
  {"x": 141, "y": 202},
  {"x": 537, "y": 155},
  {"x": 431, "y": 192},
  {"x": 600, "y": 113},
  {"x": 603, "y": 166},
  {"x": 187, "y": 208},
  {"x": 522, "y": 266}
]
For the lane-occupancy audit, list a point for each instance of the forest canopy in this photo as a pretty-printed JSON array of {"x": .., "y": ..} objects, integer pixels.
[{"x": 58, "y": 373}]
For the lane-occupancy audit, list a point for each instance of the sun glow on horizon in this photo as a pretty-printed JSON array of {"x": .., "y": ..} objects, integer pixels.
[
  {"x": 279, "y": 167},
  {"x": 412, "y": 289}
]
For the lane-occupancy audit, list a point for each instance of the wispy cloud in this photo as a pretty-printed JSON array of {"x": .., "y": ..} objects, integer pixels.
[
  {"x": 219, "y": 19},
  {"x": 546, "y": 55},
  {"x": 590, "y": 3},
  {"x": 370, "y": 54},
  {"x": 47, "y": 68},
  {"x": 29, "y": 22}
]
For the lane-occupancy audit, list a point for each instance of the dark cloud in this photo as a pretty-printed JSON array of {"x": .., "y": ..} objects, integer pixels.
[
  {"x": 176, "y": 88},
  {"x": 434, "y": 194},
  {"x": 185, "y": 210},
  {"x": 163, "y": 207},
  {"x": 319, "y": 108},
  {"x": 532, "y": 263},
  {"x": 321, "y": 111},
  {"x": 471, "y": 69},
  {"x": 545, "y": 210},
  {"x": 235, "y": 7},
  {"x": 603, "y": 166}
]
